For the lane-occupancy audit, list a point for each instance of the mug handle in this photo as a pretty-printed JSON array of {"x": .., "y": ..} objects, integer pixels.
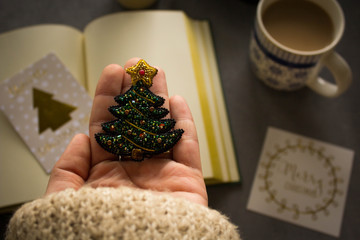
[{"x": 341, "y": 72}]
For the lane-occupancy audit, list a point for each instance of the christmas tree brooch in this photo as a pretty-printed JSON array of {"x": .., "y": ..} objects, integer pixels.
[{"x": 139, "y": 131}]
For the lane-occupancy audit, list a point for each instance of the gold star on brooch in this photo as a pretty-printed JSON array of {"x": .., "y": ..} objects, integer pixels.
[{"x": 142, "y": 72}]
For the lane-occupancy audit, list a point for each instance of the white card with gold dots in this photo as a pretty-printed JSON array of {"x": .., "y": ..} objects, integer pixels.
[
  {"x": 302, "y": 181},
  {"x": 47, "y": 107}
]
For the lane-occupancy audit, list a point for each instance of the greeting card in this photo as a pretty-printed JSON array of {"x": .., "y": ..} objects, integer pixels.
[
  {"x": 302, "y": 181},
  {"x": 46, "y": 106}
]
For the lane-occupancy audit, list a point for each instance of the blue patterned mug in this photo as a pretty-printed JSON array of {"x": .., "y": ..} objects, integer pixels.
[{"x": 293, "y": 40}]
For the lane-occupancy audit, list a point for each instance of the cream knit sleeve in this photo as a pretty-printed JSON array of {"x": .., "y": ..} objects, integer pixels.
[{"x": 121, "y": 213}]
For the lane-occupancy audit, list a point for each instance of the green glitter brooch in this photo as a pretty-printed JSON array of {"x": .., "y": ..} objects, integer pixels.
[{"x": 139, "y": 130}]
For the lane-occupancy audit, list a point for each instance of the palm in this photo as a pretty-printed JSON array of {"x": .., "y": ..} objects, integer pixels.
[
  {"x": 180, "y": 176},
  {"x": 162, "y": 175}
]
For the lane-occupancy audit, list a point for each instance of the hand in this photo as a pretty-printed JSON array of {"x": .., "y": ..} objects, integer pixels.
[{"x": 84, "y": 162}]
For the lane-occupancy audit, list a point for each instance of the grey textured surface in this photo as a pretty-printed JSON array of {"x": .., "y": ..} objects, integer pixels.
[{"x": 252, "y": 106}]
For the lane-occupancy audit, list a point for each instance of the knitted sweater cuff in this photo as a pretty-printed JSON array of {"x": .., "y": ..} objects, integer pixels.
[{"x": 121, "y": 213}]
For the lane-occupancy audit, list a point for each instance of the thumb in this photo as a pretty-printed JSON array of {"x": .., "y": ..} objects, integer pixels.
[{"x": 72, "y": 169}]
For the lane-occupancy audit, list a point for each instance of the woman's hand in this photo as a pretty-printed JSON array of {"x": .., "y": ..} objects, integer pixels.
[{"x": 84, "y": 162}]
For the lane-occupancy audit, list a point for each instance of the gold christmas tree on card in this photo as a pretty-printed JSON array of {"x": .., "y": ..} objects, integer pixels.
[{"x": 51, "y": 113}]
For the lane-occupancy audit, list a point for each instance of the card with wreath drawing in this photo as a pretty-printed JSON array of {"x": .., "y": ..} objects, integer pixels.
[{"x": 302, "y": 181}]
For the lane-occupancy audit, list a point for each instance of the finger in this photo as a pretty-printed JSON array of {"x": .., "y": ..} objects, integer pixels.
[
  {"x": 159, "y": 86},
  {"x": 126, "y": 84},
  {"x": 72, "y": 169},
  {"x": 114, "y": 81},
  {"x": 109, "y": 86},
  {"x": 186, "y": 151}
]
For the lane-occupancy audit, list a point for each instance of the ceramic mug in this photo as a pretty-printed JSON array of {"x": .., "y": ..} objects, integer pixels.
[{"x": 293, "y": 40}]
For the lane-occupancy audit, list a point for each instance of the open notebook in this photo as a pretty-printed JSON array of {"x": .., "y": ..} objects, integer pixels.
[{"x": 181, "y": 46}]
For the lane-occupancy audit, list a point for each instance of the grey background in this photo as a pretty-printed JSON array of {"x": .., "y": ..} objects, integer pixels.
[{"x": 252, "y": 107}]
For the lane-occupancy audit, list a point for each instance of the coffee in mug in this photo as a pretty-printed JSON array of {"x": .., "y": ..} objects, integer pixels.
[
  {"x": 299, "y": 25},
  {"x": 293, "y": 40}
]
